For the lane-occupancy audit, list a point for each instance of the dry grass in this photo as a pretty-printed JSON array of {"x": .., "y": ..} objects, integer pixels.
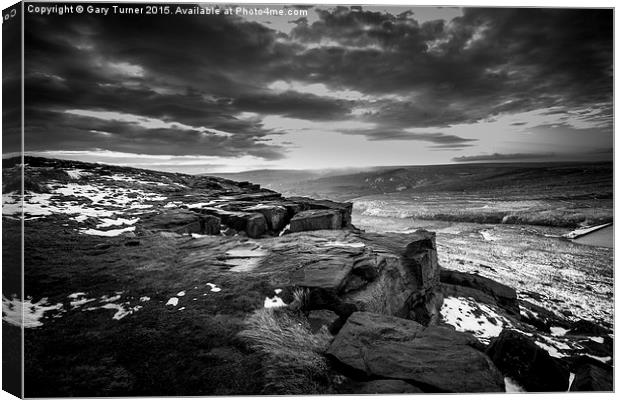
[{"x": 293, "y": 361}]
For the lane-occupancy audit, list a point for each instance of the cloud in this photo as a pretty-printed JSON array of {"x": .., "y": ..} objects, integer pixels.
[
  {"x": 227, "y": 86},
  {"x": 505, "y": 157},
  {"x": 431, "y": 137}
]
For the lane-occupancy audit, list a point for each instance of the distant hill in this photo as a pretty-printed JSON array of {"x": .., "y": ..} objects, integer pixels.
[{"x": 563, "y": 179}]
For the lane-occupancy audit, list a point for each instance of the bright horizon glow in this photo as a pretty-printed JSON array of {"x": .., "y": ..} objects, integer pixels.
[{"x": 205, "y": 165}]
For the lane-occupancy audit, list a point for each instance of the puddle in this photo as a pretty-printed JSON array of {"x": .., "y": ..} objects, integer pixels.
[{"x": 603, "y": 237}]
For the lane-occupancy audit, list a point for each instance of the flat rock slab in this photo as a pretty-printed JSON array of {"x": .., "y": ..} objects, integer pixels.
[
  {"x": 436, "y": 359},
  {"x": 326, "y": 274},
  {"x": 179, "y": 221}
]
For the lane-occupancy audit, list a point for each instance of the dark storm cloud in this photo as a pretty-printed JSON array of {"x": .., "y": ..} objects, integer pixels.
[
  {"x": 204, "y": 72},
  {"x": 431, "y": 137},
  {"x": 486, "y": 62},
  {"x": 294, "y": 105}
]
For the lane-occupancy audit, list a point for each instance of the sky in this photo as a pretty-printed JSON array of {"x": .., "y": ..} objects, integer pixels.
[{"x": 337, "y": 87}]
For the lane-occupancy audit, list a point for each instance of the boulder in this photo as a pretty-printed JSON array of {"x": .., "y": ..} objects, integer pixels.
[
  {"x": 593, "y": 378},
  {"x": 275, "y": 215},
  {"x": 315, "y": 220},
  {"x": 518, "y": 357},
  {"x": 425, "y": 307},
  {"x": 254, "y": 224},
  {"x": 420, "y": 258},
  {"x": 211, "y": 225},
  {"x": 177, "y": 221},
  {"x": 505, "y": 296},
  {"x": 326, "y": 273},
  {"x": 436, "y": 359},
  {"x": 345, "y": 209},
  {"x": 584, "y": 327}
]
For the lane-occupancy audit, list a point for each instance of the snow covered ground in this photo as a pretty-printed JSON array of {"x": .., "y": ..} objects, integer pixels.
[{"x": 109, "y": 206}]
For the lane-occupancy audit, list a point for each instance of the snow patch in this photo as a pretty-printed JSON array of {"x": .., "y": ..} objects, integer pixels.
[
  {"x": 466, "y": 315},
  {"x": 486, "y": 235},
  {"x": 110, "y": 299},
  {"x": 107, "y": 222},
  {"x": 512, "y": 386},
  {"x": 77, "y": 173},
  {"x": 214, "y": 287},
  {"x": 355, "y": 245},
  {"x": 122, "y": 310},
  {"x": 552, "y": 350},
  {"x": 285, "y": 229},
  {"x": 601, "y": 359},
  {"x": 275, "y": 301},
  {"x": 79, "y": 299},
  {"x": 108, "y": 233},
  {"x": 14, "y": 310},
  {"x": 558, "y": 331},
  {"x": 571, "y": 378}
]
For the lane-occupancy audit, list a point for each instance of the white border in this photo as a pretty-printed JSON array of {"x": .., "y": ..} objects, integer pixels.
[{"x": 480, "y": 3}]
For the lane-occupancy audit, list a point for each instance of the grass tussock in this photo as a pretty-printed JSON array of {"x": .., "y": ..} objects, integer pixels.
[{"x": 293, "y": 360}]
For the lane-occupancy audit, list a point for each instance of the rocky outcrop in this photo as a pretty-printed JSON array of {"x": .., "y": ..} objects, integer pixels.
[
  {"x": 518, "y": 357},
  {"x": 177, "y": 221},
  {"x": 267, "y": 213},
  {"x": 483, "y": 289},
  {"x": 343, "y": 274},
  {"x": 313, "y": 220},
  {"x": 586, "y": 328},
  {"x": 212, "y": 225},
  {"x": 345, "y": 209},
  {"x": 435, "y": 359},
  {"x": 420, "y": 260},
  {"x": 275, "y": 215}
]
